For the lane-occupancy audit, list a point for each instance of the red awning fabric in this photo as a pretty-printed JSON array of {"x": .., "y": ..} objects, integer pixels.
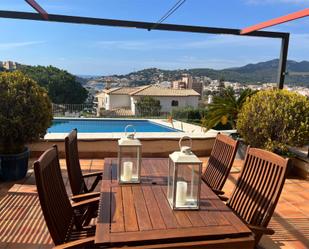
[
  {"x": 272, "y": 22},
  {"x": 38, "y": 8}
]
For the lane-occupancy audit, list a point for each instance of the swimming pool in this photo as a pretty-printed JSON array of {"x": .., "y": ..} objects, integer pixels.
[{"x": 106, "y": 126}]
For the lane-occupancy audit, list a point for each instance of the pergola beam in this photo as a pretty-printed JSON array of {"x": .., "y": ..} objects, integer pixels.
[
  {"x": 276, "y": 21},
  {"x": 164, "y": 27},
  {"x": 134, "y": 24},
  {"x": 38, "y": 8}
]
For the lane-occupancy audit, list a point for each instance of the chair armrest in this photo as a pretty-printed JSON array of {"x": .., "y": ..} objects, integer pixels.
[
  {"x": 76, "y": 243},
  {"x": 97, "y": 173},
  {"x": 218, "y": 192},
  {"x": 81, "y": 197},
  {"x": 86, "y": 203},
  {"x": 223, "y": 198},
  {"x": 263, "y": 230}
]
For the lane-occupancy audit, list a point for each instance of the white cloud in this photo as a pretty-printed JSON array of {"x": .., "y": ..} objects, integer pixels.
[
  {"x": 126, "y": 44},
  {"x": 231, "y": 41},
  {"x": 176, "y": 44},
  {"x": 14, "y": 45}
]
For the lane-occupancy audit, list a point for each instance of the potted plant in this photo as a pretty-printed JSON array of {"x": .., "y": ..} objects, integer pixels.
[
  {"x": 25, "y": 115},
  {"x": 275, "y": 120}
]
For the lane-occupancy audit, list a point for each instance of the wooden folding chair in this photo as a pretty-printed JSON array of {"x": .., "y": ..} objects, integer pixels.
[
  {"x": 258, "y": 189},
  {"x": 76, "y": 177},
  {"x": 220, "y": 163},
  {"x": 68, "y": 226}
]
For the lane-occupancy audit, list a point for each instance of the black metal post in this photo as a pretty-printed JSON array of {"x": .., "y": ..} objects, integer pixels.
[{"x": 283, "y": 60}]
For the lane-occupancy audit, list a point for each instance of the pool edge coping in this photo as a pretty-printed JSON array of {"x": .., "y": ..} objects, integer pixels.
[{"x": 191, "y": 130}]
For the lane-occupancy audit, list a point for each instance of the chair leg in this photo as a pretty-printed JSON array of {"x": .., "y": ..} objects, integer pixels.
[{"x": 89, "y": 214}]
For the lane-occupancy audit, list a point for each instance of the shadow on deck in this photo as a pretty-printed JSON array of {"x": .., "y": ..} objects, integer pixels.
[{"x": 22, "y": 224}]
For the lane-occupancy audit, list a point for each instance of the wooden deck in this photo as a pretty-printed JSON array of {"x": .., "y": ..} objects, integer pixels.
[{"x": 22, "y": 224}]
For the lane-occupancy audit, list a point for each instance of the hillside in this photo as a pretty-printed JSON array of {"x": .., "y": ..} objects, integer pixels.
[
  {"x": 62, "y": 87},
  {"x": 262, "y": 72}
]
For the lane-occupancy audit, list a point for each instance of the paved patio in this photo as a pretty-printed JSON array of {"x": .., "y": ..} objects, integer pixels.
[{"x": 22, "y": 224}]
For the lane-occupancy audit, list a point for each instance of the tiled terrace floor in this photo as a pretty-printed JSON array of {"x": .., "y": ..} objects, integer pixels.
[{"x": 22, "y": 224}]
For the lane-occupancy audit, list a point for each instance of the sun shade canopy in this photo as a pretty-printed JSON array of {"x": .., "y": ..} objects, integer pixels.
[
  {"x": 38, "y": 8},
  {"x": 276, "y": 21}
]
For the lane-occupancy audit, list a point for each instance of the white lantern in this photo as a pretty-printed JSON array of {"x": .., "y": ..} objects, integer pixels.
[
  {"x": 184, "y": 178},
  {"x": 129, "y": 158}
]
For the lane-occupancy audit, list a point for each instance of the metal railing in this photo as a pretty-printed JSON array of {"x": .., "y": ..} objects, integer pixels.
[
  {"x": 74, "y": 110},
  {"x": 185, "y": 114}
]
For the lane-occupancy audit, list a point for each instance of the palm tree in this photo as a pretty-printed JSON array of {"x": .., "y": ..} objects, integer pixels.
[{"x": 226, "y": 107}]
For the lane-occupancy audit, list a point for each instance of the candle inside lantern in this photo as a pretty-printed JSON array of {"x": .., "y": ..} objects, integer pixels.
[
  {"x": 127, "y": 171},
  {"x": 181, "y": 193}
]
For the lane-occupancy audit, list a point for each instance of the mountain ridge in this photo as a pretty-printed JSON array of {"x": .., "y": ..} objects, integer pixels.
[{"x": 253, "y": 73}]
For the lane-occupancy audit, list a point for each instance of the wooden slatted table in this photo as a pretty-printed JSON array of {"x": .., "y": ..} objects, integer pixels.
[{"x": 139, "y": 215}]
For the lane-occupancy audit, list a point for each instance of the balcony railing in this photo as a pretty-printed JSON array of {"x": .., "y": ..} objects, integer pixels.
[{"x": 74, "y": 110}]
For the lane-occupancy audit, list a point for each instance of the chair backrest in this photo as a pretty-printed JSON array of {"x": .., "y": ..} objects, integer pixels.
[
  {"x": 76, "y": 179},
  {"x": 56, "y": 207},
  {"x": 220, "y": 161},
  {"x": 259, "y": 186}
]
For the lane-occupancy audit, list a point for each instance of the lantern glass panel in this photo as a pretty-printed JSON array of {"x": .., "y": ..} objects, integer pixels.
[
  {"x": 129, "y": 161},
  {"x": 170, "y": 180},
  {"x": 187, "y": 185}
]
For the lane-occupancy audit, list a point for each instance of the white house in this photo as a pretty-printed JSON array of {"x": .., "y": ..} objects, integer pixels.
[{"x": 127, "y": 97}]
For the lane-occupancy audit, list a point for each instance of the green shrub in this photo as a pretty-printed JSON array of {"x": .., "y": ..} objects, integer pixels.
[
  {"x": 25, "y": 112},
  {"x": 275, "y": 120},
  {"x": 188, "y": 114},
  {"x": 148, "y": 106}
]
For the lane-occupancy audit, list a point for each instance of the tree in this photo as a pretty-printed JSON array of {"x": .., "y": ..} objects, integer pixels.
[
  {"x": 224, "y": 109},
  {"x": 62, "y": 86},
  {"x": 25, "y": 112},
  {"x": 274, "y": 120},
  {"x": 148, "y": 106}
]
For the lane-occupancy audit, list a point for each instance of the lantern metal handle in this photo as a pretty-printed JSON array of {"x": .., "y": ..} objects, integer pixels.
[
  {"x": 180, "y": 141},
  {"x": 125, "y": 130}
]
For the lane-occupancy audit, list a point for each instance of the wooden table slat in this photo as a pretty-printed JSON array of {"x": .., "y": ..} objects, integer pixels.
[
  {"x": 228, "y": 214},
  {"x": 182, "y": 217},
  {"x": 153, "y": 209},
  {"x": 205, "y": 232},
  {"x": 141, "y": 213},
  {"x": 143, "y": 218},
  {"x": 195, "y": 218},
  {"x": 117, "y": 224},
  {"x": 165, "y": 209},
  {"x": 104, "y": 216},
  {"x": 130, "y": 222}
]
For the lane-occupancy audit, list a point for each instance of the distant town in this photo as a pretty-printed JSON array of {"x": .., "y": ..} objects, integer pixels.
[
  {"x": 182, "y": 79},
  {"x": 206, "y": 86}
]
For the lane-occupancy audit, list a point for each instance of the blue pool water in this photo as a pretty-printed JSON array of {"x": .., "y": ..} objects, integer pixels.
[{"x": 106, "y": 125}]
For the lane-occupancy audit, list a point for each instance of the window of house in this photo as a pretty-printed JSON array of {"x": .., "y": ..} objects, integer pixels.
[{"x": 174, "y": 102}]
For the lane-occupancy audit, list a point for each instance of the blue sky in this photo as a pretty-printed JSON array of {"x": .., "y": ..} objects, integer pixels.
[{"x": 99, "y": 50}]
